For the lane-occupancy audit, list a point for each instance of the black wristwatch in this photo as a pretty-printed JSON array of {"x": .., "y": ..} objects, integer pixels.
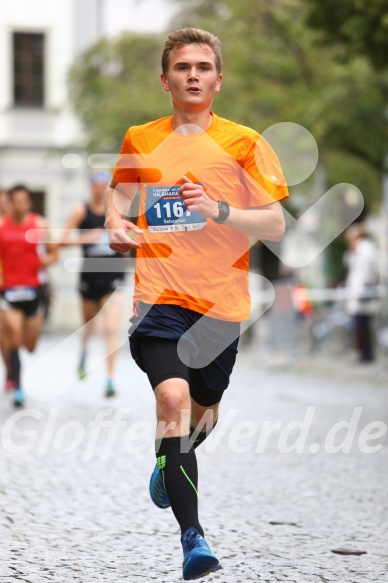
[{"x": 223, "y": 211}]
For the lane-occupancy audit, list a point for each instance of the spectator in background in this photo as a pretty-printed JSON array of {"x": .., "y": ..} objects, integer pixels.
[
  {"x": 24, "y": 262},
  {"x": 362, "y": 302},
  {"x": 96, "y": 287}
]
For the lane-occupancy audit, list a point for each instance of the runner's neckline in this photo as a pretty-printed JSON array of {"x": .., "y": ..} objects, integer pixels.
[{"x": 200, "y": 135}]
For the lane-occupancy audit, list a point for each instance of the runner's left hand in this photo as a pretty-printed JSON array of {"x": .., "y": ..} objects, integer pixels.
[{"x": 196, "y": 199}]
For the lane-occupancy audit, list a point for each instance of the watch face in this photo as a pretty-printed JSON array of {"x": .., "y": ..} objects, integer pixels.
[
  {"x": 223, "y": 211},
  {"x": 224, "y": 207}
]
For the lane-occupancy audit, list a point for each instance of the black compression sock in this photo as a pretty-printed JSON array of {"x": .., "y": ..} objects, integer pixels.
[
  {"x": 202, "y": 435},
  {"x": 14, "y": 363},
  {"x": 180, "y": 476}
]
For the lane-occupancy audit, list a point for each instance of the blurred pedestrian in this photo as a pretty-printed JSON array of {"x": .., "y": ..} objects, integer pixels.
[
  {"x": 97, "y": 283},
  {"x": 187, "y": 293},
  {"x": 362, "y": 301},
  {"x": 22, "y": 303}
]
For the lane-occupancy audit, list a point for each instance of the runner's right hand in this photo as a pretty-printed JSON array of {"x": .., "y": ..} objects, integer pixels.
[{"x": 122, "y": 235}]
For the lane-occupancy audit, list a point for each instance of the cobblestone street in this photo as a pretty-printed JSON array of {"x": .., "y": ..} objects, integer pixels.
[{"x": 276, "y": 499}]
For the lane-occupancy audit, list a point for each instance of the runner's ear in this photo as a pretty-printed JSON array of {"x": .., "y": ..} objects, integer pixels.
[{"x": 164, "y": 82}]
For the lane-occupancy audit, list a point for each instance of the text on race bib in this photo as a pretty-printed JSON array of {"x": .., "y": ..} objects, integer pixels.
[{"x": 166, "y": 211}]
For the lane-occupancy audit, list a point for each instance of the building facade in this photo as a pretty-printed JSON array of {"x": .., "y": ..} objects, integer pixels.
[{"x": 38, "y": 131}]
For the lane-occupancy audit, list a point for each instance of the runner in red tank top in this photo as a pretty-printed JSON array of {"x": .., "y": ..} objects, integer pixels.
[
  {"x": 23, "y": 265},
  {"x": 20, "y": 259}
]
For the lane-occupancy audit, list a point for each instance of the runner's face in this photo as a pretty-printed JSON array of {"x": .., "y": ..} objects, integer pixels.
[
  {"x": 192, "y": 77},
  {"x": 20, "y": 203},
  {"x": 98, "y": 190}
]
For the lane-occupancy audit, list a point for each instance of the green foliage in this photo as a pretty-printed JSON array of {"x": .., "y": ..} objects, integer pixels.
[
  {"x": 274, "y": 70},
  {"x": 116, "y": 85},
  {"x": 360, "y": 25}
]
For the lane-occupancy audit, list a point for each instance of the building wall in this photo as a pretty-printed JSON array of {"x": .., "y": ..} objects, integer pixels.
[{"x": 33, "y": 141}]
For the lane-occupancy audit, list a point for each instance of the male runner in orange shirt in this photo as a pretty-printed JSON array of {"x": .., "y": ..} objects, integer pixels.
[{"x": 206, "y": 185}]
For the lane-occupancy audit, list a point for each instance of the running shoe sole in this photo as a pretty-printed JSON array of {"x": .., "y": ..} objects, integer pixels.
[
  {"x": 157, "y": 490},
  {"x": 199, "y": 566},
  {"x": 19, "y": 398},
  {"x": 198, "y": 560}
]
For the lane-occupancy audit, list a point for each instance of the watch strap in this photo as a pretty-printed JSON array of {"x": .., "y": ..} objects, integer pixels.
[{"x": 223, "y": 212}]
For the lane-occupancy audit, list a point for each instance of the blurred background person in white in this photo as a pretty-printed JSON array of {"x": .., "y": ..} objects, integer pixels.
[{"x": 362, "y": 301}]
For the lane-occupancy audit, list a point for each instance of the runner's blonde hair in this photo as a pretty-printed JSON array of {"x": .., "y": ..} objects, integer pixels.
[{"x": 191, "y": 36}]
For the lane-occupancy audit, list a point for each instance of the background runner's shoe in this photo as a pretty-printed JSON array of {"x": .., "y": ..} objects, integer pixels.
[
  {"x": 110, "y": 390},
  {"x": 157, "y": 490},
  {"x": 81, "y": 370},
  {"x": 81, "y": 373},
  {"x": 198, "y": 560},
  {"x": 18, "y": 398}
]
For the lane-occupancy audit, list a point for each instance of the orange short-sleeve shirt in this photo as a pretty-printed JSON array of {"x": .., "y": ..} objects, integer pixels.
[{"x": 186, "y": 260}]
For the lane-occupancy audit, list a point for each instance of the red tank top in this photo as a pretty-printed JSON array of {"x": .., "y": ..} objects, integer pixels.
[{"x": 19, "y": 259}]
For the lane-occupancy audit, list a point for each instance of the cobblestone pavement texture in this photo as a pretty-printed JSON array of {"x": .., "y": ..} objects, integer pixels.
[{"x": 75, "y": 505}]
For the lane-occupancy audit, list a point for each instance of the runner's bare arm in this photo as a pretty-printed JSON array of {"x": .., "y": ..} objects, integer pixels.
[
  {"x": 265, "y": 222},
  {"x": 117, "y": 203},
  {"x": 51, "y": 249},
  {"x": 76, "y": 217}
]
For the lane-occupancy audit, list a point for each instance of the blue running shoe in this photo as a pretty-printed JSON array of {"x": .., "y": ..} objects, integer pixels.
[
  {"x": 157, "y": 490},
  {"x": 19, "y": 398},
  {"x": 198, "y": 560},
  {"x": 110, "y": 390}
]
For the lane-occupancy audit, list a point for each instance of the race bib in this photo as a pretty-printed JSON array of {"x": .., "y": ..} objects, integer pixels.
[
  {"x": 20, "y": 294},
  {"x": 167, "y": 213}
]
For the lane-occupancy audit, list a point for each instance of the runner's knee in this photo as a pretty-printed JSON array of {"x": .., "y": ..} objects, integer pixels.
[{"x": 172, "y": 398}]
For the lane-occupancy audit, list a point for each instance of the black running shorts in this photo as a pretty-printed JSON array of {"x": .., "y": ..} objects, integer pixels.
[
  {"x": 169, "y": 341},
  {"x": 29, "y": 300},
  {"x": 95, "y": 286}
]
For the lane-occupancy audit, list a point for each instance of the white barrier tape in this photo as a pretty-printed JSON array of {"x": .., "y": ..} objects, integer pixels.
[
  {"x": 340, "y": 293},
  {"x": 322, "y": 294}
]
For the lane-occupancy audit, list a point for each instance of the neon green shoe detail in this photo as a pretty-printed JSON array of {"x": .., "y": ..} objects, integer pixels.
[
  {"x": 81, "y": 373},
  {"x": 161, "y": 461}
]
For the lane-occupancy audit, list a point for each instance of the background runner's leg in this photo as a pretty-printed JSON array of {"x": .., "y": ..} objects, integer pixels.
[
  {"x": 89, "y": 311},
  {"x": 13, "y": 326},
  {"x": 31, "y": 331},
  {"x": 5, "y": 346},
  {"x": 111, "y": 312}
]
